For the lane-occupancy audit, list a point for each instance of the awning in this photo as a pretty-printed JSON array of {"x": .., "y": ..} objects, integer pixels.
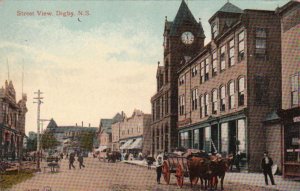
[
  {"x": 137, "y": 144},
  {"x": 126, "y": 144},
  {"x": 101, "y": 148}
]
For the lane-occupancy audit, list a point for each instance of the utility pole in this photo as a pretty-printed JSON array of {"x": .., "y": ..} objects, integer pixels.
[{"x": 39, "y": 102}]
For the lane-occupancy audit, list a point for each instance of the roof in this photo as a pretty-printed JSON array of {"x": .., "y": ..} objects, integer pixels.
[
  {"x": 227, "y": 8},
  {"x": 52, "y": 124},
  {"x": 184, "y": 14},
  {"x": 230, "y": 8},
  {"x": 287, "y": 6},
  {"x": 117, "y": 118},
  {"x": 106, "y": 122}
]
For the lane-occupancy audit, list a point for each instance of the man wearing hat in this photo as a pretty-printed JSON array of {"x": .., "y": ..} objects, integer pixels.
[{"x": 266, "y": 165}]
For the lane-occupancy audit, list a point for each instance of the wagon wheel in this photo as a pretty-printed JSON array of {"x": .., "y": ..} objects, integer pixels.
[
  {"x": 179, "y": 175},
  {"x": 166, "y": 171}
]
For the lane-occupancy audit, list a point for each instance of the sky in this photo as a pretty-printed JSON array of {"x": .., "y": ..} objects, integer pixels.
[{"x": 93, "y": 65}]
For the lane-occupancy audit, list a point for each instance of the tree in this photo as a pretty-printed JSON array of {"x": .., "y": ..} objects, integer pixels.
[
  {"x": 86, "y": 140},
  {"x": 31, "y": 145},
  {"x": 48, "y": 141}
]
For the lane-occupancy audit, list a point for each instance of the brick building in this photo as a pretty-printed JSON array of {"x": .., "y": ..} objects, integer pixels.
[
  {"x": 133, "y": 133},
  {"x": 183, "y": 38},
  {"x": 230, "y": 88},
  {"x": 12, "y": 122},
  {"x": 287, "y": 122}
]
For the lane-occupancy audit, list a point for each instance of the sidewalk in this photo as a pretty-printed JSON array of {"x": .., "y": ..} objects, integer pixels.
[{"x": 254, "y": 179}]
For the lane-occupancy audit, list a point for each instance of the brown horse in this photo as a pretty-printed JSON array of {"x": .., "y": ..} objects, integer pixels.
[
  {"x": 218, "y": 167},
  {"x": 200, "y": 168}
]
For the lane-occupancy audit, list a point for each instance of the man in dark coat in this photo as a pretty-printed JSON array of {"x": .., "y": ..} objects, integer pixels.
[
  {"x": 159, "y": 163},
  {"x": 266, "y": 165},
  {"x": 71, "y": 160},
  {"x": 80, "y": 160}
]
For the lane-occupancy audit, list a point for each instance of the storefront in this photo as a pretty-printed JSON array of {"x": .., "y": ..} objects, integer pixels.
[
  {"x": 291, "y": 141},
  {"x": 225, "y": 135}
]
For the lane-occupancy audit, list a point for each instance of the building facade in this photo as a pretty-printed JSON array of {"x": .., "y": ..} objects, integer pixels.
[
  {"x": 183, "y": 38},
  {"x": 226, "y": 92},
  {"x": 133, "y": 133},
  {"x": 69, "y": 136},
  {"x": 288, "y": 118},
  {"x": 12, "y": 122}
]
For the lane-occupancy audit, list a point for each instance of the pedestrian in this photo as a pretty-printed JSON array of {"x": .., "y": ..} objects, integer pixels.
[
  {"x": 71, "y": 160},
  {"x": 150, "y": 161},
  {"x": 80, "y": 160},
  {"x": 266, "y": 165},
  {"x": 158, "y": 168},
  {"x": 237, "y": 160}
]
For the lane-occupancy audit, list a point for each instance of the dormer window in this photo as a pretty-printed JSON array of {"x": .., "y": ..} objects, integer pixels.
[{"x": 215, "y": 31}]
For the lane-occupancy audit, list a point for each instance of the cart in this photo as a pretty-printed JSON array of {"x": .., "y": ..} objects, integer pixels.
[{"x": 179, "y": 166}]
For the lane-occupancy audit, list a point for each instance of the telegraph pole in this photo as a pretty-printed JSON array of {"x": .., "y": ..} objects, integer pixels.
[{"x": 39, "y": 102}]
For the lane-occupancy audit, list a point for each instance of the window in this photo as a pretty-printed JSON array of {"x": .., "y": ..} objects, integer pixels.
[
  {"x": 241, "y": 46},
  {"x": 241, "y": 86},
  {"x": 214, "y": 30},
  {"x": 184, "y": 139},
  {"x": 166, "y": 103},
  {"x": 194, "y": 71},
  {"x": 214, "y": 64},
  {"x": 231, "y": 95},
  {"x": 196, "y": 139},
  {"x": 206, "y": 69},
  {"x": 222, "y": 58},
  {"x": 224, "y": 138},
  {"x": 202, "y": 77},
  {"x": 231, "y": 52},
  {"x": 194, "y": 99},
  {"x": 241, "y": 135},
  {"x": 222, "y": 98},
  {"x": 295, "y": 90},
  {"x": 202, "y": 111},
  {"x": 181, "y": 105},
  {"x": 206, "y": 104},
  {"x": 214, "y": 101},
  {"x": 260, "y": 42},
  {"x": 181, "y": 80}
]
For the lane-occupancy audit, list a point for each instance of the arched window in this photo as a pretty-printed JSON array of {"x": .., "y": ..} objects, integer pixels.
[
  {"x": 231, "y": 94},
  {"x": 222, "y": 98},
  {"x": 241, "y": 90},
  {"x": 214, "y": 100}
]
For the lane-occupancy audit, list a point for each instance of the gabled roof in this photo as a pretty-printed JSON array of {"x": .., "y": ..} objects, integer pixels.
[
  {"x": 52, "y": 124},
  {"x": 117, "y": 118},
  {"x": 230, "y": 8},
  {"x": 184, "y": 14},
  {"x": 106, "y": 123},
  {"x": 227, "y": 8}
]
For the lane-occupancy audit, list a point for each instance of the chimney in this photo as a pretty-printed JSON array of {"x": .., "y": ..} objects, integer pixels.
[{"x": 82, "y": 123}]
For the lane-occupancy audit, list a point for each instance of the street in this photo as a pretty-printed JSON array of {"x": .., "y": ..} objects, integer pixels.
[{"x": 101, "y": 176}]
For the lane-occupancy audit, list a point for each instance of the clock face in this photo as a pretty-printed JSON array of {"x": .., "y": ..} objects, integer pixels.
[{"x": 187, "y": 38}]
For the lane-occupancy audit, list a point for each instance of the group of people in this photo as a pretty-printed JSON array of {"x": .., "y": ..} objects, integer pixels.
[{"x": 72, "y": 160}]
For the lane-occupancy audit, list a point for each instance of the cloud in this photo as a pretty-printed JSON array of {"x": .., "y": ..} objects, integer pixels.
[{"x": 85, "y": 75}]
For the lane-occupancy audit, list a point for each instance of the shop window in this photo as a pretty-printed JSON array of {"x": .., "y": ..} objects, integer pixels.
[
  {"x": 241, "y": 143},
  {"x": 184, "y": 137},
  {"x": 207, "y": 140},
  {"x": 196, "y": 139},
  {"x": 224, "y": 138}
]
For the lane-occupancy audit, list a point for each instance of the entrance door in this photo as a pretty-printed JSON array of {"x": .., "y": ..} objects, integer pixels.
[{"x": 232, "y": 136}]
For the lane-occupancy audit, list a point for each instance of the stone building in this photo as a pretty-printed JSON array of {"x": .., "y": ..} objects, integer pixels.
[
  {"x": 12, "y": 122},
  {"x": 133, "y": 133},
  {"x": 228, "y": 89},
  {"x": 183, "y": 38}
]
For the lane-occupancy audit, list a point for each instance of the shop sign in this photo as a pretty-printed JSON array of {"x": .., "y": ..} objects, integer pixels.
[
  {"x": 296, "y": 119},
  {"x": 290, "y": 150}
]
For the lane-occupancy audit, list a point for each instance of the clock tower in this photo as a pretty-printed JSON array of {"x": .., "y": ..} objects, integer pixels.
[{"x": 183, "y": 39}]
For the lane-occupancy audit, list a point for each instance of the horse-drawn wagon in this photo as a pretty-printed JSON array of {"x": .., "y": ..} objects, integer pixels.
[{"x": 195, "y": 166}]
